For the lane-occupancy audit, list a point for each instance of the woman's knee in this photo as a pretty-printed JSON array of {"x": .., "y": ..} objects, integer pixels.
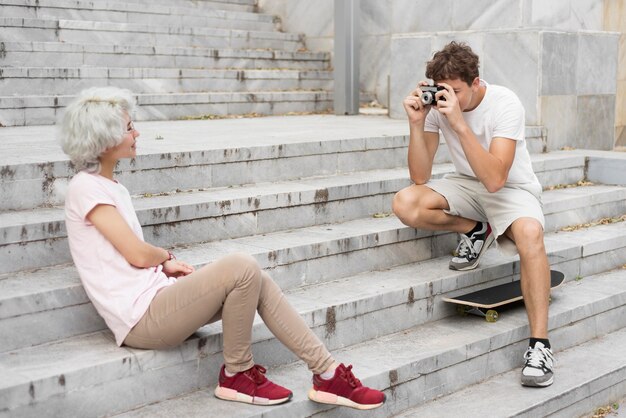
[{"x": 243, "y": 266}]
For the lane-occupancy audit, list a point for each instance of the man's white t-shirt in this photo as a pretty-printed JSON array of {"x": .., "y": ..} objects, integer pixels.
[
  {"x": 499, "y": 114},
  {"x": 120, "y": 292}
]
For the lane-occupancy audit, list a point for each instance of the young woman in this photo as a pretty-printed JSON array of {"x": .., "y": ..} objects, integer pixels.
[{"x": 151, "y": 300}]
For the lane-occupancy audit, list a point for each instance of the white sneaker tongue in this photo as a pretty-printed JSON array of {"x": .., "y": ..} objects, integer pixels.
[{"x": 539, "y": 344}]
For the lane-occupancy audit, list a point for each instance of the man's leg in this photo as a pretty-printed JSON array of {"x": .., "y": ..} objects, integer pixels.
[
  {"x": 421, "y": 207},
  {"x": 527, "y": 233}
]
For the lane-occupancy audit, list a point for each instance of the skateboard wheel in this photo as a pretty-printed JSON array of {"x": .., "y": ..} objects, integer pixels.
[
  {"x": 491, "y": 316},
  {"x": 461, "y": 310}
]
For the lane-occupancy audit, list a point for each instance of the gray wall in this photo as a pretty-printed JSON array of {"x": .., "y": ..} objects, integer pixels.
[{"x": 550, "y": 52}]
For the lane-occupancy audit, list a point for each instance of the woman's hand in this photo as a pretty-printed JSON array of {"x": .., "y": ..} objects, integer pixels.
[{"x": 176, "y": 268}]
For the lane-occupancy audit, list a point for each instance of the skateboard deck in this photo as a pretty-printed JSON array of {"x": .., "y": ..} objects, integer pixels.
[{"x": 483, "y": 302}]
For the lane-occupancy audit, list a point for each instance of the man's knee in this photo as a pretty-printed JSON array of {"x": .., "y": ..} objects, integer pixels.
[
  {"x": 528, "y": 232},
  {"x": 405, "y": 206}
]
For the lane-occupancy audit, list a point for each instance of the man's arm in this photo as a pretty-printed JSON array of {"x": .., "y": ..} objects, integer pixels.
[
  {"x": 422, "y": 148},
  {"x": 492, "y": 166},
  {"x": 422, "y": 145}
]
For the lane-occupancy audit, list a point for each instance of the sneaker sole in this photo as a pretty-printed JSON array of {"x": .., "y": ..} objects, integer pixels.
[
  {"x": 234, "y": 396},
  {"x": 488, "y": 243},
  {"x": 332, "y": 399},
  {"x": 532, "y": 384}
]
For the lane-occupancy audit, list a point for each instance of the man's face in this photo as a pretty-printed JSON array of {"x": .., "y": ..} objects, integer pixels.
[{"x": 465, "y": 94}]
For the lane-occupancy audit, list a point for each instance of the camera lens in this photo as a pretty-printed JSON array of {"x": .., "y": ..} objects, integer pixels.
[{"x": 427, "y": 97}]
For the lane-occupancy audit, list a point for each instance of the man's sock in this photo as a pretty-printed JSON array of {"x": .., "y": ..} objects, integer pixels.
[
  {"x": 544, "y": 341},
  {"x": 477, "y": 227}
]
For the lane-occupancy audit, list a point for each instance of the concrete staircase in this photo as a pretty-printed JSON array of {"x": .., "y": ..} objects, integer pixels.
[
  {"x": 182, "y": 59},
  {"x": 308, "y": 197}
]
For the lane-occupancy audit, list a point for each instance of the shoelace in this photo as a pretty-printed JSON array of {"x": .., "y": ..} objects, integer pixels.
[
  {"x": 536, "y": 357},
  {"x": 256, "y": 373},
  {"x": 350, "y": 377},
  {"x": 465, "y": 246}
]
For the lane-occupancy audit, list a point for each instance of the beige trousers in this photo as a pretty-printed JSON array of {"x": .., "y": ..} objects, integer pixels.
[{"x": 232, "y": 289}]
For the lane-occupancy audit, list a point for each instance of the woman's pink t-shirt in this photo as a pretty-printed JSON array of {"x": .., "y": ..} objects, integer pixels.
[{"x": 120, "y": 292}]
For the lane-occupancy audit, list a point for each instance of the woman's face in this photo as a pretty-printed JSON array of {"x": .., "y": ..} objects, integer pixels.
[{"x": 128, "y": 147}]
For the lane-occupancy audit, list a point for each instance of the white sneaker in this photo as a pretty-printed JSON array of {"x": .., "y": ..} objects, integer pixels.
[
  {"x": 470, "y": 249},
  {"x": 537, "y": 371}
]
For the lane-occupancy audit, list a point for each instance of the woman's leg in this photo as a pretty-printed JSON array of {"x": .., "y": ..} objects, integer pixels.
[
  {"x": 228, "y": 287},
  {"x": 289, "y": 327}
]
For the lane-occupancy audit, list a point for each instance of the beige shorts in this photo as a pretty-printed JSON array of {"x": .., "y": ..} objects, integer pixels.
[{"x": 468, "y": 198}]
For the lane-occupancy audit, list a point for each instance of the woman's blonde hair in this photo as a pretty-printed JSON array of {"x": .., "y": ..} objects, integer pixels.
[{"x": 94, "y": 122}]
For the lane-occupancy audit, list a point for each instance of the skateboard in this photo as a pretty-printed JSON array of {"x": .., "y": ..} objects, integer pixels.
[{"x": 483, "y": 302}]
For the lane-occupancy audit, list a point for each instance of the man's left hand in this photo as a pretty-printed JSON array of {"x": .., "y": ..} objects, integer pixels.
[{"x": 450, "y": 107}]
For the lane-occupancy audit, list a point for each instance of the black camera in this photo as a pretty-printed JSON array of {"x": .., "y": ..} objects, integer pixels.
[{"x": 428, "y": 94}]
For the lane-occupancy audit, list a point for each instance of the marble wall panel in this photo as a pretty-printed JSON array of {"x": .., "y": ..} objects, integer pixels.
[
  {"x": 586, "y": 14},
  {"x": 375, "y": 17},
  {"x": 620, "y": 136},
  {"x": 408, "y": 59},
  {"x": 614, "y": 15},
  {"x": 558, "y": 63},
  {"x": 474, "y": 39},
  {"x": 621, "y": 66},
  {"x": 620, "y": 108},
  {"x": 421, "y": 16},
  {"x": 595, "y": 116},
  {"x": 563, "y": 14},
  {"x": 486, "y": 14},
  {"x": 554, "y": 14},
  {"x": 374, "y": 70},
  {"x": 597, "y": 63},
  {"x": 511, "y": 59},
  {"x": 558, "y": 116},
  {"x": 314, "y": 18}
]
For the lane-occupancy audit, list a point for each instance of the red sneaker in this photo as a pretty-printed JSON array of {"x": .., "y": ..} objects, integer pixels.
[
  {"x": 345, "y": 389},
  {"x": 251, "y": 386}
]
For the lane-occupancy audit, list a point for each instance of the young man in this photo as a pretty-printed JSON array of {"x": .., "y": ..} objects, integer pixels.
[{"x": 494, "y": 193}]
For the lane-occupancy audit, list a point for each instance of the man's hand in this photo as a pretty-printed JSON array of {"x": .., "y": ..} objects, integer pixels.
[
  {"x": 450, "y": 107},
  {"x": 176, "y": 268},
  {"x": 413, "y": 106}
]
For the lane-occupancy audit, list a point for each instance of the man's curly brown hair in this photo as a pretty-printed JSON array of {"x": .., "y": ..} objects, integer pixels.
[{"x": 455, "y": 61}]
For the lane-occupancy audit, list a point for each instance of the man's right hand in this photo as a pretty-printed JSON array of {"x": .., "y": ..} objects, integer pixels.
[{"x": 415, "y": 109}]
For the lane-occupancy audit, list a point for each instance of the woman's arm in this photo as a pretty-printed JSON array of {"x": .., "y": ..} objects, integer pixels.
[{"x": 110, "y": 223}]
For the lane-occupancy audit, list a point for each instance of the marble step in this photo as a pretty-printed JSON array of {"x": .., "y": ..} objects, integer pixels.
[
  {"x": 171, "y": 218},
  {"x": 45, "y": 110},
  {"x": 236, "y": 5},
  {"x": 34, "y": 239},
  {"x": 87, "y": 31},
  {"x": 297, "y": 258},
  {"x": 588, "y": 375},
  {"x": 40, "y": 54},
  {"x": 209, "y": 153},
  {"x": 204, "y": 154},
  {"x": 319, "y": 199},
  {"x": 85, "y": 373},
  {"x": 177, "y": 13},
  {"x": 26, "y": 81}
]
